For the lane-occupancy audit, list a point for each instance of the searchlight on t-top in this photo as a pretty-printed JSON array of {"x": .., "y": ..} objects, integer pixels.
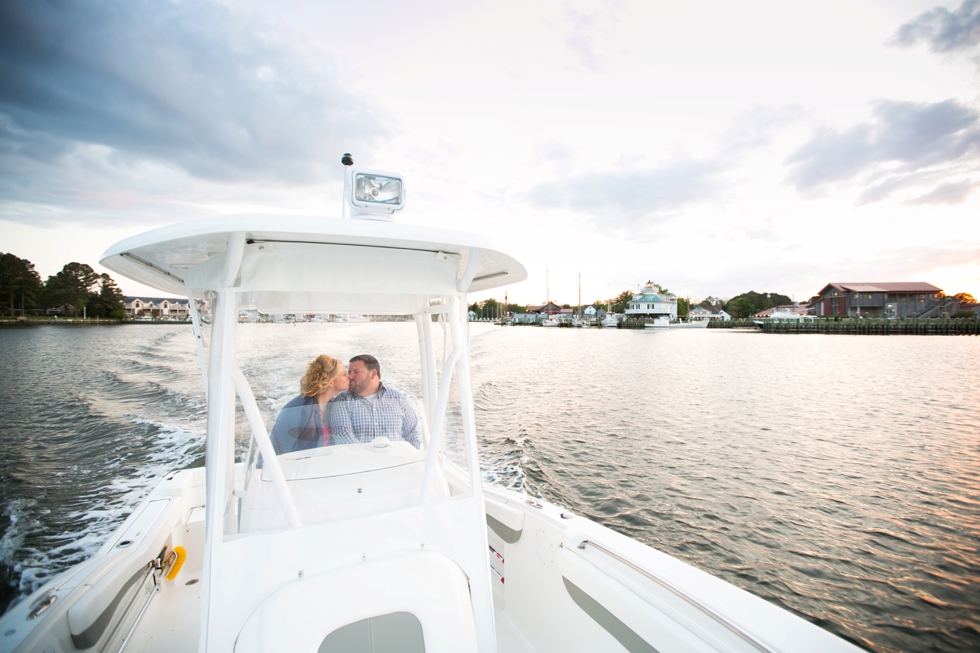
[{"x": 371, "y": 194}]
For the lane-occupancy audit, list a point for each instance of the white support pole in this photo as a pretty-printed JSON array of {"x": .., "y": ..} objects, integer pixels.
[
  {"x": 466, "y": 397},
  {"x": 217, "y": 472},
  {"x": 481, "y": 592},
  {"x": 198, "y": 338},
  {"x": 438, "y": 423},
  {"x": 463, "y": 285},
  {"x": 428, "y": 354},
  {"x": 420, "y": 319},
  {"x": 345, "y": 206},
  {"x": 219, "y": 465},
  {"x": 269, "y": 458}
]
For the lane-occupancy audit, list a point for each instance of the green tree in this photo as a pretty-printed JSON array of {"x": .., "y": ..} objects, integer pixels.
[
  {"x": 108, "y": 301},
  {"x": 760, "y": 301},
  {"x": 18, "y": 280},
  {"x": 682, "y": 307},
  {"x": 490, "y": 308},
  {"x": 72, "y": 285},
  {"x": 622, "y": 301},
  {"x": 741, "y": 307}
]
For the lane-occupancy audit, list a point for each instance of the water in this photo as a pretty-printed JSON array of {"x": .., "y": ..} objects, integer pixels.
[{"x": 836, "y": 476}]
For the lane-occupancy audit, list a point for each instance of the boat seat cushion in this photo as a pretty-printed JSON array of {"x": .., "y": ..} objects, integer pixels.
[{"x": 428, "y": 586}]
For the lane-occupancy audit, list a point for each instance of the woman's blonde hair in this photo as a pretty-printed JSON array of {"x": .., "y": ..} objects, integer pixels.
[{"x": 319, "y": 375}]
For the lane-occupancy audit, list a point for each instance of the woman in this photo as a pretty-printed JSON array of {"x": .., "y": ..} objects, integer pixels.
[{"x": 302, "y": 424}]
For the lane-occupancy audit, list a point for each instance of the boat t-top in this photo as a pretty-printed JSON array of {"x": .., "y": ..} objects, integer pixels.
[{"x": 390, "y": 544}]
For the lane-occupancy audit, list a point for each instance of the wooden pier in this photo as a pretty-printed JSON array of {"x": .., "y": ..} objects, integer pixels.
[{"x": 878, "y": 327}]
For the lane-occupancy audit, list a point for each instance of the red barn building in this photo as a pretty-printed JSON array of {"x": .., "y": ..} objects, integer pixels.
[{"x": 905, "y": 299}]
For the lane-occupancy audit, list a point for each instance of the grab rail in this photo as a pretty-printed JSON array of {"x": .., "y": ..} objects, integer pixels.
[{"x": 685, "y": 596}]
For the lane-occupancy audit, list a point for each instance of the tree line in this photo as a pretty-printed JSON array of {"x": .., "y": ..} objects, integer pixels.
[{"x": 76, "y": 285}]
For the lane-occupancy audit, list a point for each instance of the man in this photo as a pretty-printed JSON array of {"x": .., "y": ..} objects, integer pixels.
[{"x": 369, "y": 409}]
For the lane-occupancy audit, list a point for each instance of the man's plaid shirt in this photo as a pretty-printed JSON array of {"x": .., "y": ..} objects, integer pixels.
[{"x": 355, "y": 419}]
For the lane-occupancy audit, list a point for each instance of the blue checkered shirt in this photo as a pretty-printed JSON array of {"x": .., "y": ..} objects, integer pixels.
[{"x": 355, "y": 419}]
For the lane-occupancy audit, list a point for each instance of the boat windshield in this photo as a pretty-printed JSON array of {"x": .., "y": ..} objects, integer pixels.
[{"x": 342, "y": 457}]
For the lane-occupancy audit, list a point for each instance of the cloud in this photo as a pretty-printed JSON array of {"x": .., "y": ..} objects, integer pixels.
[
  {"x": 942, "y": 138},
  {"x": 591, "y": 34},
  {"x": 635, "y": 197},
  {"x": 949, "y": 193},
  {"x": 631, "y": 197},
  {"x": 943, "y": 30},
  {"x": 193, "y": 86}
]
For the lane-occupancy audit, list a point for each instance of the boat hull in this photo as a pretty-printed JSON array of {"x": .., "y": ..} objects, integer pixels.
[
  {"x": 557, "y": 579},
  {"x": 677, "y": 325}
]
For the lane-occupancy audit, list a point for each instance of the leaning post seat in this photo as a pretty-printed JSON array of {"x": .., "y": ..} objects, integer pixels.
[{"x": 424, "y": 584}]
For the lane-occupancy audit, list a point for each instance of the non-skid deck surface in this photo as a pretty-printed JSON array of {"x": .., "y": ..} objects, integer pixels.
[{"x": 171, "y": 624}]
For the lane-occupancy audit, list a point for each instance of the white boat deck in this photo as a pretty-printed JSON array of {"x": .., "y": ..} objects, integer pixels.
[
  {"x": 171, "y": 624},
  {"x": 508, "y": 639}
]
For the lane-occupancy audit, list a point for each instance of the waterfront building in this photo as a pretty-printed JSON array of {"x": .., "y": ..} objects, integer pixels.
[
  {"x": 898, "y": 300},
  {"x": 527, "y": 318},
  {"x": 650, "y": 303},
  {"x": 783, "y": 312},
  {"x": 699, "y": 313},
  {"x": 588, "y": 312},
  {"x": 549, "y": 309},
  {"x": 157, "y": 308}
]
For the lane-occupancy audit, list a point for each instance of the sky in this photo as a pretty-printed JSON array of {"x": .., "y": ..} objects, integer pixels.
[{"x": 712, "y": 147}]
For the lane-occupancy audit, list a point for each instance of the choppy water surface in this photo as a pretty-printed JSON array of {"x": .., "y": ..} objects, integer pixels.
[{"x": 836, "y": 476}]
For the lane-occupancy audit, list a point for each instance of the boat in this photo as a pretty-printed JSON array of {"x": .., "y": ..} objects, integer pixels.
[
  {"x": 382, "y": 545},
  {"x": 611, "y": 321},
  {"x": 549, "y": 322},
  {"x": 665, "y": 323}
]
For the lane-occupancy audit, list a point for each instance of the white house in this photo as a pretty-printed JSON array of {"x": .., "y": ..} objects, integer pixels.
[
  {"x": 159, "y": 308},
  {"x": 699, "y": 313},
  {"x": 702, "y": 313},
  {"x": 589, "y": 312},
  {"x": 650, "y": 303}
]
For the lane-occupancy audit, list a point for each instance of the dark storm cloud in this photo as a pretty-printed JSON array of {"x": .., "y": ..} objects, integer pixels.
[
  {"x": 902, "y": 138},
  {"x": 190, "y": 85},
  {"x": 619, "y": 199},
  {"x": 943, "y": 30}
]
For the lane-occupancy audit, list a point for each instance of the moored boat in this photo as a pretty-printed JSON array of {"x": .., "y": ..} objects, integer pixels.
[{"x": 664, "y": 323}]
